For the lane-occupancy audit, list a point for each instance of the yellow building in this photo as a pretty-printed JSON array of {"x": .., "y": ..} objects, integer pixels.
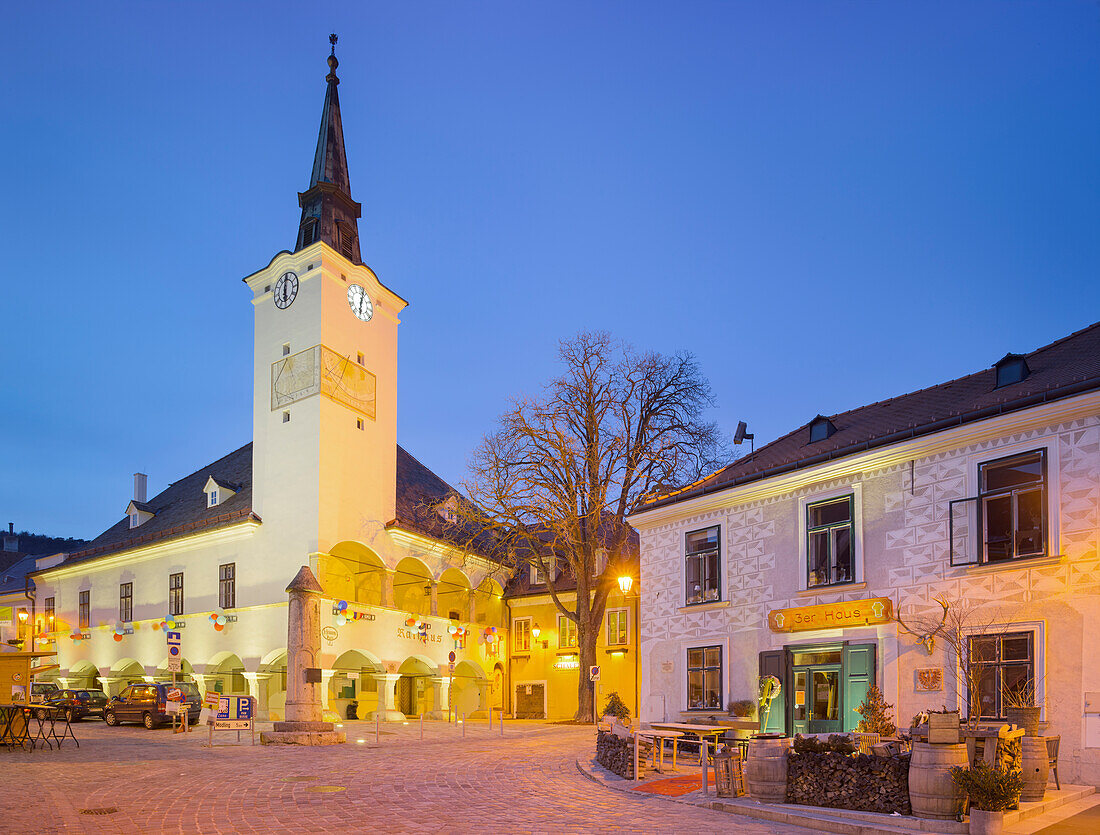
[{"x": 544, "y": 665}]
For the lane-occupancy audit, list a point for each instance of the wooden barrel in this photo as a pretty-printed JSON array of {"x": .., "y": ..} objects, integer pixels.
[
  {"x": 932, "y": 794},
  {"x": 1035, "y": 767},
  {"x": 766, "y": 769}
]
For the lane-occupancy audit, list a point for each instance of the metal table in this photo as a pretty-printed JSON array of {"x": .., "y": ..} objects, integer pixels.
[{"x": 14, "y": 727}]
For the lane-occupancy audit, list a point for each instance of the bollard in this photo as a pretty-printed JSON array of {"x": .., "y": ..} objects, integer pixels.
[
  {"x": 421, "y": 727},
  {"x": 703, "y": 760},
  {"x": 502, "y": 722},
  {"x": 490, "y": 717},
  {"x": 377, "y": 726},
  {"x": 463, "y": 724}
]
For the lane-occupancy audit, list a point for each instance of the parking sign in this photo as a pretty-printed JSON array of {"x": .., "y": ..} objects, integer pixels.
[{"x": 594, "y": 673}]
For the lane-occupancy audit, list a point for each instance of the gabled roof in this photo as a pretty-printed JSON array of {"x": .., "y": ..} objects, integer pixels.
[
  {"x": 181, "y": 509},
  {"x": 1062, "y": 369},
  {"x": 13, "y": 577},
  {"x": 144, "y": 507},
  {"x": 223, "y": 484}
]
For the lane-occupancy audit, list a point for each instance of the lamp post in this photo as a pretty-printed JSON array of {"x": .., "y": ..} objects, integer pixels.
[{"x": 626, "y": 582}]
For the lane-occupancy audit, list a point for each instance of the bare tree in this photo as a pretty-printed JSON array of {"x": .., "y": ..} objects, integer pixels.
[
  {"x": 967, "y": 627},
  {"x": 554, "y": 482}
]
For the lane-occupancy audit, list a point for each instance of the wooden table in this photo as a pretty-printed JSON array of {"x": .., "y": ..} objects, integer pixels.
[
  {"x": 704, "y": 732},
  {"x": 658, "y": 736},
  {"x": 14, "y": 726}
]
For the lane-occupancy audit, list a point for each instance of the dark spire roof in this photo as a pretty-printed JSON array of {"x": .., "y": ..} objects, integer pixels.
[{"x": 328, "y": 212}]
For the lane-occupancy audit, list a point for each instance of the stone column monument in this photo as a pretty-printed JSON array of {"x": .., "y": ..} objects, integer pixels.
[{"x": 303, "y": 725}]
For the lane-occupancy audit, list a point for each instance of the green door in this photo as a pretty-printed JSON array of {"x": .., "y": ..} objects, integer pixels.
[{"x": 859, "y": 675}]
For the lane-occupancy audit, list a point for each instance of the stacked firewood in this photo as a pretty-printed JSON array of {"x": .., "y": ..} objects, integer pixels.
[
  {"x": 861, "y": 782},
  {"x": 615, "y": 753}
]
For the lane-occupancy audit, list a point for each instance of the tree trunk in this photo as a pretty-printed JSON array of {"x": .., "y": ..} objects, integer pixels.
[{"x": 586, "y": 650}]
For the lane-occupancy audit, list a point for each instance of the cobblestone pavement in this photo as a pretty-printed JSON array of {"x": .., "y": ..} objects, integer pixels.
[{"x": 158, "y": 781}]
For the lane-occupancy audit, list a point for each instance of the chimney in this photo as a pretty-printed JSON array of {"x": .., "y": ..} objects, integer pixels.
[
  {"x": 11, "y": 541},
  {"x": 11, "y": 527},
  {"x": 141, "y": 481}
]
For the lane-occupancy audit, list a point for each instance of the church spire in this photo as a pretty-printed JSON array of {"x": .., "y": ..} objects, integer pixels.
[{"x": 328, "y": 212}]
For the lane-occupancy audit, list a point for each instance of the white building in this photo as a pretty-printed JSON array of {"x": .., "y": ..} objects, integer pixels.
[
  {"x": 792, "y": 560},
  {"x": 323, "y": 483}
]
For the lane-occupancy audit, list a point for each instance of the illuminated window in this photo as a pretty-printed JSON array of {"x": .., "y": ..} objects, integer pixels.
[
  {"x": 567, "y": 632},
  {"x": 521, "y": 635},
  {"x": 1013, "y": 507},
  {"x": 175, "y": 594},
  {"x": 1005, "y": 666},
  {"x": 84, "y": 609},
  {"x": 703, "y": 566},
  {"x": 829, "y": 534},
  {"x": 618, "y": 627},
  {"x": 50, "y": 613},
  {"x": 704, "y": 684},
  {"x": 126, "y": 602}
]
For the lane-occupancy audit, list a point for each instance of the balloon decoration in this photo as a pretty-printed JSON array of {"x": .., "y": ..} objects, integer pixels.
[
  {"x": 166, "y": 625},
  {"x": 77, "y": 637},
  {"x": 489, "y": 638},
  {"x": 218, "y": 621}
]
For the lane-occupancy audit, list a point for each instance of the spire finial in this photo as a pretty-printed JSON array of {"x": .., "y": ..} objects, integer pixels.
[{"x": 333, "y": 63}]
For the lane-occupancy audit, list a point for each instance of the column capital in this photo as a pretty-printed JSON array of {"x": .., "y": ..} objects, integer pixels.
[
  {"x": 389, "y": 678},
  {"x": 257, "y": 676}
]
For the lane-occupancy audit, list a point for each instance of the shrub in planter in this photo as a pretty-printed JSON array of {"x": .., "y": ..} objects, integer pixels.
[
  {"x": 616, "y": 707},
  {"x": 877, "y": 714},
  {"x": 990, "y": 789},
  {"x": 743, "y": 708},
  {"x": 836, "y": 743}
]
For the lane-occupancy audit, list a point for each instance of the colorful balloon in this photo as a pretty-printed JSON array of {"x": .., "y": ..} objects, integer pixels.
[
  {"x": 117, "y": 637},
  {"x": 341, "y": 620}
]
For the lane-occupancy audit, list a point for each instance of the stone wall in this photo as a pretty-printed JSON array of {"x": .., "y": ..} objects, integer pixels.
[{"x": 861, "y": 782}]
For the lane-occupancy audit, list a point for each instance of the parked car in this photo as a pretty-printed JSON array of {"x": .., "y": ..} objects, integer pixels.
[
  {"x": 147, "y": 703},
  {"x": 40, "y": 690},
  {"x": 77, "y": 703}
]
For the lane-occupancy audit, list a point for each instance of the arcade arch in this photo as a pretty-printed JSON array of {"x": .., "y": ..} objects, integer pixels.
[
  {"x": 274, "y": 663},
  {"x": 412, "y": 587},
  {"x": 453, "y": 595},
  {"x": 413, "y": 694},
  {"x": 353, "y": 683},
  {"x": 469, "y": 689},
  {"x": 353, "y": 572}
]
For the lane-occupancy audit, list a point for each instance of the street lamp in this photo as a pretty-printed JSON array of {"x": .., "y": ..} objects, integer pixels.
[
  {"x": 625, "y": 582},
  {"x": 536, "y": 630}
]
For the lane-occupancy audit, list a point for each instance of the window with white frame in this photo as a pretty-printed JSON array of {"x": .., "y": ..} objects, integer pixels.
[
  {"x": 567, "y": 632},
  {"x": 134, "y": 520},
  {"x": 703, "y": 564},
  {"x": 84, "y": 609},
  {"x": 830, "y": 535},
  {"x": 1013, "y": 507},
  {"x": 521, "y": 635},
  {"x": 704, "y": 682},
  {"x": 126, "y": 602},
  {"x": 538, "y": 576},
  {"x": 1003, "y": 667},
  {"x": 618, "y": 627},
  {"x": 212, "y": 498}
]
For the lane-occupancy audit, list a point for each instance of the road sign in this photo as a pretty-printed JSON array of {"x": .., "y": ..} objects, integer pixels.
[
  {"x": 175, "y": 663},
  {"x": 594, "y": 673},
  {"x": 173, "y": 639},
  {"x": 451, "y": 656},
  {"x": 174, "y": 694},
  {"x": 234, "y": 713}
]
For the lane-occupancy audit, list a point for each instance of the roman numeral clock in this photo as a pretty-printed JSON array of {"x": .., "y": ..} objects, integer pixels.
[{"x": 321, "y": 370}]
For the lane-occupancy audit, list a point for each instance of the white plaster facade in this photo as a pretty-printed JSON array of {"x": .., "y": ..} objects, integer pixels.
[{"x": 901, "y": 494}]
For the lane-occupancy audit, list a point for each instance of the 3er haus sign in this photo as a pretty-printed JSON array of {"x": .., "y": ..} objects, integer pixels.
[{"x": 832, "y": 615}]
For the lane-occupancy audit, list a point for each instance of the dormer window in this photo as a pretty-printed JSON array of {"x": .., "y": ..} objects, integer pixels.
[
  {"x": 821, "y": 428},
  {"x": 139, "y": 513},
  {"x": 347, "y": 240},
  {"x": 218, "y": 491},
  {"x": 1012, "y": 368},
  {"x": 449, "y": 510}
]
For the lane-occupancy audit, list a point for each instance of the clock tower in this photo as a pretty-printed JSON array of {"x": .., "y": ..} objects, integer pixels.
[{"x": 325, "y": 370}]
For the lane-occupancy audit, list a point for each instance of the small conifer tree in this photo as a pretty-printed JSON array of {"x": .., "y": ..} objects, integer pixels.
[
  {"x": 616, "y": 707},
  {"x": 878, "y": 717}
]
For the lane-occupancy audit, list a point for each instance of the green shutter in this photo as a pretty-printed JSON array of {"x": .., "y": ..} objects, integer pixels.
[
  {"x": 859, "y": 675},
  {"x": 774, "y": 663}
]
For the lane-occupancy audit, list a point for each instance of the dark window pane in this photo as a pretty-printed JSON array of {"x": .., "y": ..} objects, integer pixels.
[
  {"x": 1016, "y": 649},
  {"x": 987, "y": 693},
  {"x": 695, "y": 658},
  {"x": 713, "y": 688},
  {"x": 819, "y": 558},
  {"x": 713, "y": 657},
  {"x": 1017, "y": 682},
  {"x": 1007, "y": 474},
  {"x": 830, "y": 513},
  {"x": 1029, "y": 526},
  {"x": 998, "y": 528},
  {"x": 702, "y": 540},
  {"x": 710, "y": 589},
  {"x": 826, "y": 695},
  {"x": 983, "y": 650},
  {"x": 843, "y": 553}
]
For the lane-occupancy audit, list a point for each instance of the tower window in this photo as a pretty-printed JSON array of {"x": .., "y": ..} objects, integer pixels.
[
  {"x": 309, "y": 232},
  {"x": 286, "y": 417},
  {"x": 359, "y": 358},
  {"x": 286, "y": 349},
  {"x": 358, "y": 423}
]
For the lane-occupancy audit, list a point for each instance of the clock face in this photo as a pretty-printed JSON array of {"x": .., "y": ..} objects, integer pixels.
[
  {"x": 286, "y": 288},
  {"x": 360, "y": 302}
]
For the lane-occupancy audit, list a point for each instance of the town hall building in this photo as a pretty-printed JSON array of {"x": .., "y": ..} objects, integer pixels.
[{"x": 322, "y": 483}]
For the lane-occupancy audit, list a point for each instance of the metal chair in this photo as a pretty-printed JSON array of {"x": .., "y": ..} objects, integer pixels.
[{"x": 1052, "y": 756}]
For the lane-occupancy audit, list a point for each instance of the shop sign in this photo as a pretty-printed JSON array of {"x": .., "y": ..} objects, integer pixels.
[{"x": 832, "y": 615}]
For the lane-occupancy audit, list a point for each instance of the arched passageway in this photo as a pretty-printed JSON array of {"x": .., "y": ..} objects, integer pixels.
[
  {"x": 413, "y": 694},
  {"x": 412, "y": 587},
  {"x": 353, "y": 684},
  {"x": 353, "y": 572}
]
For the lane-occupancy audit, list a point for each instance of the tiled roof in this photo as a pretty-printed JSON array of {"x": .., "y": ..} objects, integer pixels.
[
  {"x": 182, "y": 509},
  {"x": 13, "y": 577},
  {"x": 1064, "y": 368}
]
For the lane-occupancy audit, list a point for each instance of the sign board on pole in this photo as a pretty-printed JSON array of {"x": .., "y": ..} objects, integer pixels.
[
  {"x": 451, "y": 656},
  {"x": 175, "y": 664},
  {"x": 234, "y": 713},
  {"x": 171, "y": 707},
  {"x": 594, "y": 673},
  {"x": 174, "y": 694}
]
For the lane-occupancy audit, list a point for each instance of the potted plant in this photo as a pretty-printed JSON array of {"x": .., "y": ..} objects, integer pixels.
[
  {"x": 616, "y": 707},
  {"x": 1021, "y": 709},
  {"x": 943, "y": 727},
  {"x": 743, "y": 708},
  {"x": 992, "y": 792}
]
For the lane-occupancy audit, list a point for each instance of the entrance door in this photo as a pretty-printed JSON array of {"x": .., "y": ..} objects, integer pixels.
[
  {"x": 404, "y": 695},
  {"x": 816, "y": 676}
]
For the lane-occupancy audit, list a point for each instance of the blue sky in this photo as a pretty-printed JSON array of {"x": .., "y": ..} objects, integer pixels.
[{"x": 828, "y": 203}]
